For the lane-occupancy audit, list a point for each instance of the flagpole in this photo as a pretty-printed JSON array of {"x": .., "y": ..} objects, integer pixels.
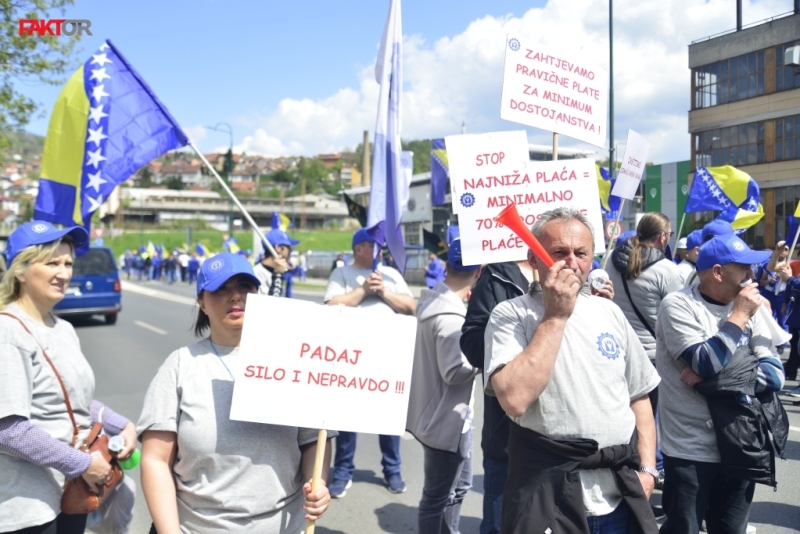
[
  {"x": 235, "y": 200},
  {"x": 319, "y": 461},
  {"x": 789, "y": 259},
  {"x": 612, "y": 241},
  {"x": 680, "y": 227}
]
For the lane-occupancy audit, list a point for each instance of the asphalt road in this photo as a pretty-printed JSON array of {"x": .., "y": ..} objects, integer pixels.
[{"x": 157, "y": 319}]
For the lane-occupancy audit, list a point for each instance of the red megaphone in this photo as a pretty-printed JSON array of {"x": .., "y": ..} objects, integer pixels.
[{"x": 510, "y": 217}]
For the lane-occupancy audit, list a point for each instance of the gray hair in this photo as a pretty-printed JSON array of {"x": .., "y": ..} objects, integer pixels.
[{"x": 566, "y": 214}]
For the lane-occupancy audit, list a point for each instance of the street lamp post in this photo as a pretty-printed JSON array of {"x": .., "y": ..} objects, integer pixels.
[{"x": 229, "y": 131}]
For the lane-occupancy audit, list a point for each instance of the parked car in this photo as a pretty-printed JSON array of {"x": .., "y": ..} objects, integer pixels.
[{"x": 95, "y": 288}]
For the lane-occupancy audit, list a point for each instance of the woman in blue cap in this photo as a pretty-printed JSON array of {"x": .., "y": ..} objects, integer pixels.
[
  {"x": 41, "y": 369},
  {"x": 202, "y": 471}
]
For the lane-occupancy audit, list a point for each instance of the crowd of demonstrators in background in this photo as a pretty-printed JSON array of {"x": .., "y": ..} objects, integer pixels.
[
  {"x": 688, "y": 265},
  {"x": 380, "y": 290},
  {"x": 302, "y": 260},
  {"x": 47, "y": 405},
  {"x": 260, "y": 479},
  {"x": 773, "y": 276},
  {"x": 709, "y": 338},
  {"x": 435, "y": 271},
  {"x": 574, "y": 379},
  {"x": 275, "y": 273},
  {"x": 498, "y": 282},
  {"x": 440, "y": 409},
  {"x": 790, "y": 307}
]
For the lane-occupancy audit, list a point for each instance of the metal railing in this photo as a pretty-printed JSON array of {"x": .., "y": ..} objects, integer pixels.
[{"x": 750, "y": 25}]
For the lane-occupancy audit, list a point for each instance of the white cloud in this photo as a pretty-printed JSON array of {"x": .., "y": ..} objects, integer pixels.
[
  {"x": 196, "y": 133},
  {"x": 459, "y": 78}
]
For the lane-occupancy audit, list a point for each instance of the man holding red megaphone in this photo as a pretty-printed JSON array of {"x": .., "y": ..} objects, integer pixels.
[{"x": 574, "y": 379}]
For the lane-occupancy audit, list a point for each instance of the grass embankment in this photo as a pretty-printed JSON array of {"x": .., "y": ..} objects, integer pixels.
[{"x": 309, "y": 240}]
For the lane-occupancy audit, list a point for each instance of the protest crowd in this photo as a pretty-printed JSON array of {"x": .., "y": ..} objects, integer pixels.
[
  {"x": 601, "y": 382},
  {"x": 576, "y": 378}
]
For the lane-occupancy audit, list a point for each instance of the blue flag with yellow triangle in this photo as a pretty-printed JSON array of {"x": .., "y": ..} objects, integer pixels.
[
  {"x": 728, "y": 190},
  {"x": 439, "y": 171},
  {"x": 105, "y": 124}
]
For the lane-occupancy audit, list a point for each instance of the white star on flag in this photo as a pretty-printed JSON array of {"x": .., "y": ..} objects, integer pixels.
[
  {"x": 99, "y": 92},
  {"x": 104, "y": 46},
  {"x": 99, "y": 75},
  {"x": 95, "y": 181},
  {"x": 96, "y": 136},
  {"x": 95, "y": 157},
  {"x": 100, "y": 59},
  {"x": 96, "y": 114},
  {"x": 94, "y": 203}
]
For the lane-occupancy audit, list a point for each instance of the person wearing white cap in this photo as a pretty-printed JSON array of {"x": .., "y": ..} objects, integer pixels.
[
  {"x": 47, "y": 405},
  {"x": 680, "y": 251}
]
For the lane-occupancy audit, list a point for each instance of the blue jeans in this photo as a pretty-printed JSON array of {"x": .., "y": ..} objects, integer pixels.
[
  {"x": 343, "y": 465},
  {"x": 495, "y": 474},
  {"x": 448, "y": 478},
  {"x": 697, "y": 490},
  {"x": 614, "y": 523}
]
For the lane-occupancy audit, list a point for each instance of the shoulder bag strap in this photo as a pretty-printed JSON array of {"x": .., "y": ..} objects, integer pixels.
[
  {"x": 58, "y": 376},
  {"x": 635, "y": 309}
]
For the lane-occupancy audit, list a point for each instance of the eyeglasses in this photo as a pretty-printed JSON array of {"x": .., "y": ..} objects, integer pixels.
[{"x": 669, "y": 234}]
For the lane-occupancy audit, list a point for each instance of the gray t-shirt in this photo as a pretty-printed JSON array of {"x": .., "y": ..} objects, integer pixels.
[
  {"x": 601, "y": 367},
  {"x": 31, "y": 495},
  {"x": 230, "y": 476},
  {"x": 687, "y": 270},
  {"x": 685, "y": 319},
  {"x": 346, "y": 279}
]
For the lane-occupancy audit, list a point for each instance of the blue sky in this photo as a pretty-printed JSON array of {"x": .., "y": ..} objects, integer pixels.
[
  {"x": 214, "y": 61},
  {"x": 294, "y": 78}
]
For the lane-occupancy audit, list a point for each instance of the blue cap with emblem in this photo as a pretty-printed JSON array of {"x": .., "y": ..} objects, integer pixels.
[
  {"x": 725, "y": 249},
  {"x": 716, "y": 228},
  {"x": 38, "y": 233},
  {"x": 218, "y": 269},
  {"x": 454, "y": 250}
]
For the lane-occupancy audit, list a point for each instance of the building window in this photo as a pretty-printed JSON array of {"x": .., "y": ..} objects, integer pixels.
[
  {"x": 734, "y": 145},
  {"x": 412, "y": 232},
  {"x": 785, "y": 76},
  {"x": 787, "y": 138},
  {"x": 729, "y": 80}
]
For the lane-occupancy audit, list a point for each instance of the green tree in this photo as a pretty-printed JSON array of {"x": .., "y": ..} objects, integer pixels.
[
  {"x": 283, "y": 175},
  {"x": 175, "y": 183},
  {"x": 422, "y": 154},
  {"x": 29, "y": 59},
  {"x": 145, "y": 177}
]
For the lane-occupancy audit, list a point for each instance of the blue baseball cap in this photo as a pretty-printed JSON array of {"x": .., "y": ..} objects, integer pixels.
[
  {"x": 361, "y": 236},
  {"x": 694, "y": 239},
  {"x": 716, "y": 228},
  {"x": 38, "y": 233},
  {"x": 454, "y": 250},
  {"x": 218, "y": 269},
  {"x": 278, "y": 237},
  {"x": 725, "y": 249},
  {"x": 624, "y": 236}
]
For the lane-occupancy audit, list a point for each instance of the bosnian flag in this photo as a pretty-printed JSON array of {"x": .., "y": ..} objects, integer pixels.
[{"x": 389, "y": 187}]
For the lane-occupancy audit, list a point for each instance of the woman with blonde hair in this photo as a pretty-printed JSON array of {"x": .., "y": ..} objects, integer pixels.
[
  {"x": 46, "y": 398},
  {"x": 202, "y": 471}
]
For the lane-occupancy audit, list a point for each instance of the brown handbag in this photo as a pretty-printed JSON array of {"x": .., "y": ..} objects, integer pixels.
[{"x": 78, "y": 498}]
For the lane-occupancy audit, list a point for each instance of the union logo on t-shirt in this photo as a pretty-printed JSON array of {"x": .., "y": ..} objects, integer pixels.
[{"x": 608, "y": 346}]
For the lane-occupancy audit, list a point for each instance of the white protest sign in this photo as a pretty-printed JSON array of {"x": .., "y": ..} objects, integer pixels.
[
  {"x": 554, "y": 91},
  {"x": 535, "y": 188},
  {"x": 333, "y": 367},
  {"x": 472, "y": 155},
  {"x": 633, "y": 162}
]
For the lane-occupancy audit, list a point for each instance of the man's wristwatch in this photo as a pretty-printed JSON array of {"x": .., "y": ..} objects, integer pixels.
[{"x": 650, "y": 471}]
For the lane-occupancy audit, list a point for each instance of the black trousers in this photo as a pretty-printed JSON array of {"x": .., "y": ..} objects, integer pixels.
[
  {"x": 697, "y": 490},
  {"x": 63, "y": 524}
]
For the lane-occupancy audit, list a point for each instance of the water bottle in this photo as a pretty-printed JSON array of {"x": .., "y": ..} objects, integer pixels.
[{"x": 116, "y": 445}]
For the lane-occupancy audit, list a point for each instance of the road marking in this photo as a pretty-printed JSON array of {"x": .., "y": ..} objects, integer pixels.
[
  {"x": 155, "y": 293},
  {"x": 796, "y": 429},
  {"x": 150, "y": 327}
]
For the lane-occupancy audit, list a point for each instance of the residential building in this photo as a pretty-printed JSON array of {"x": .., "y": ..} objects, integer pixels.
[{"x": 745, "y": 112}]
